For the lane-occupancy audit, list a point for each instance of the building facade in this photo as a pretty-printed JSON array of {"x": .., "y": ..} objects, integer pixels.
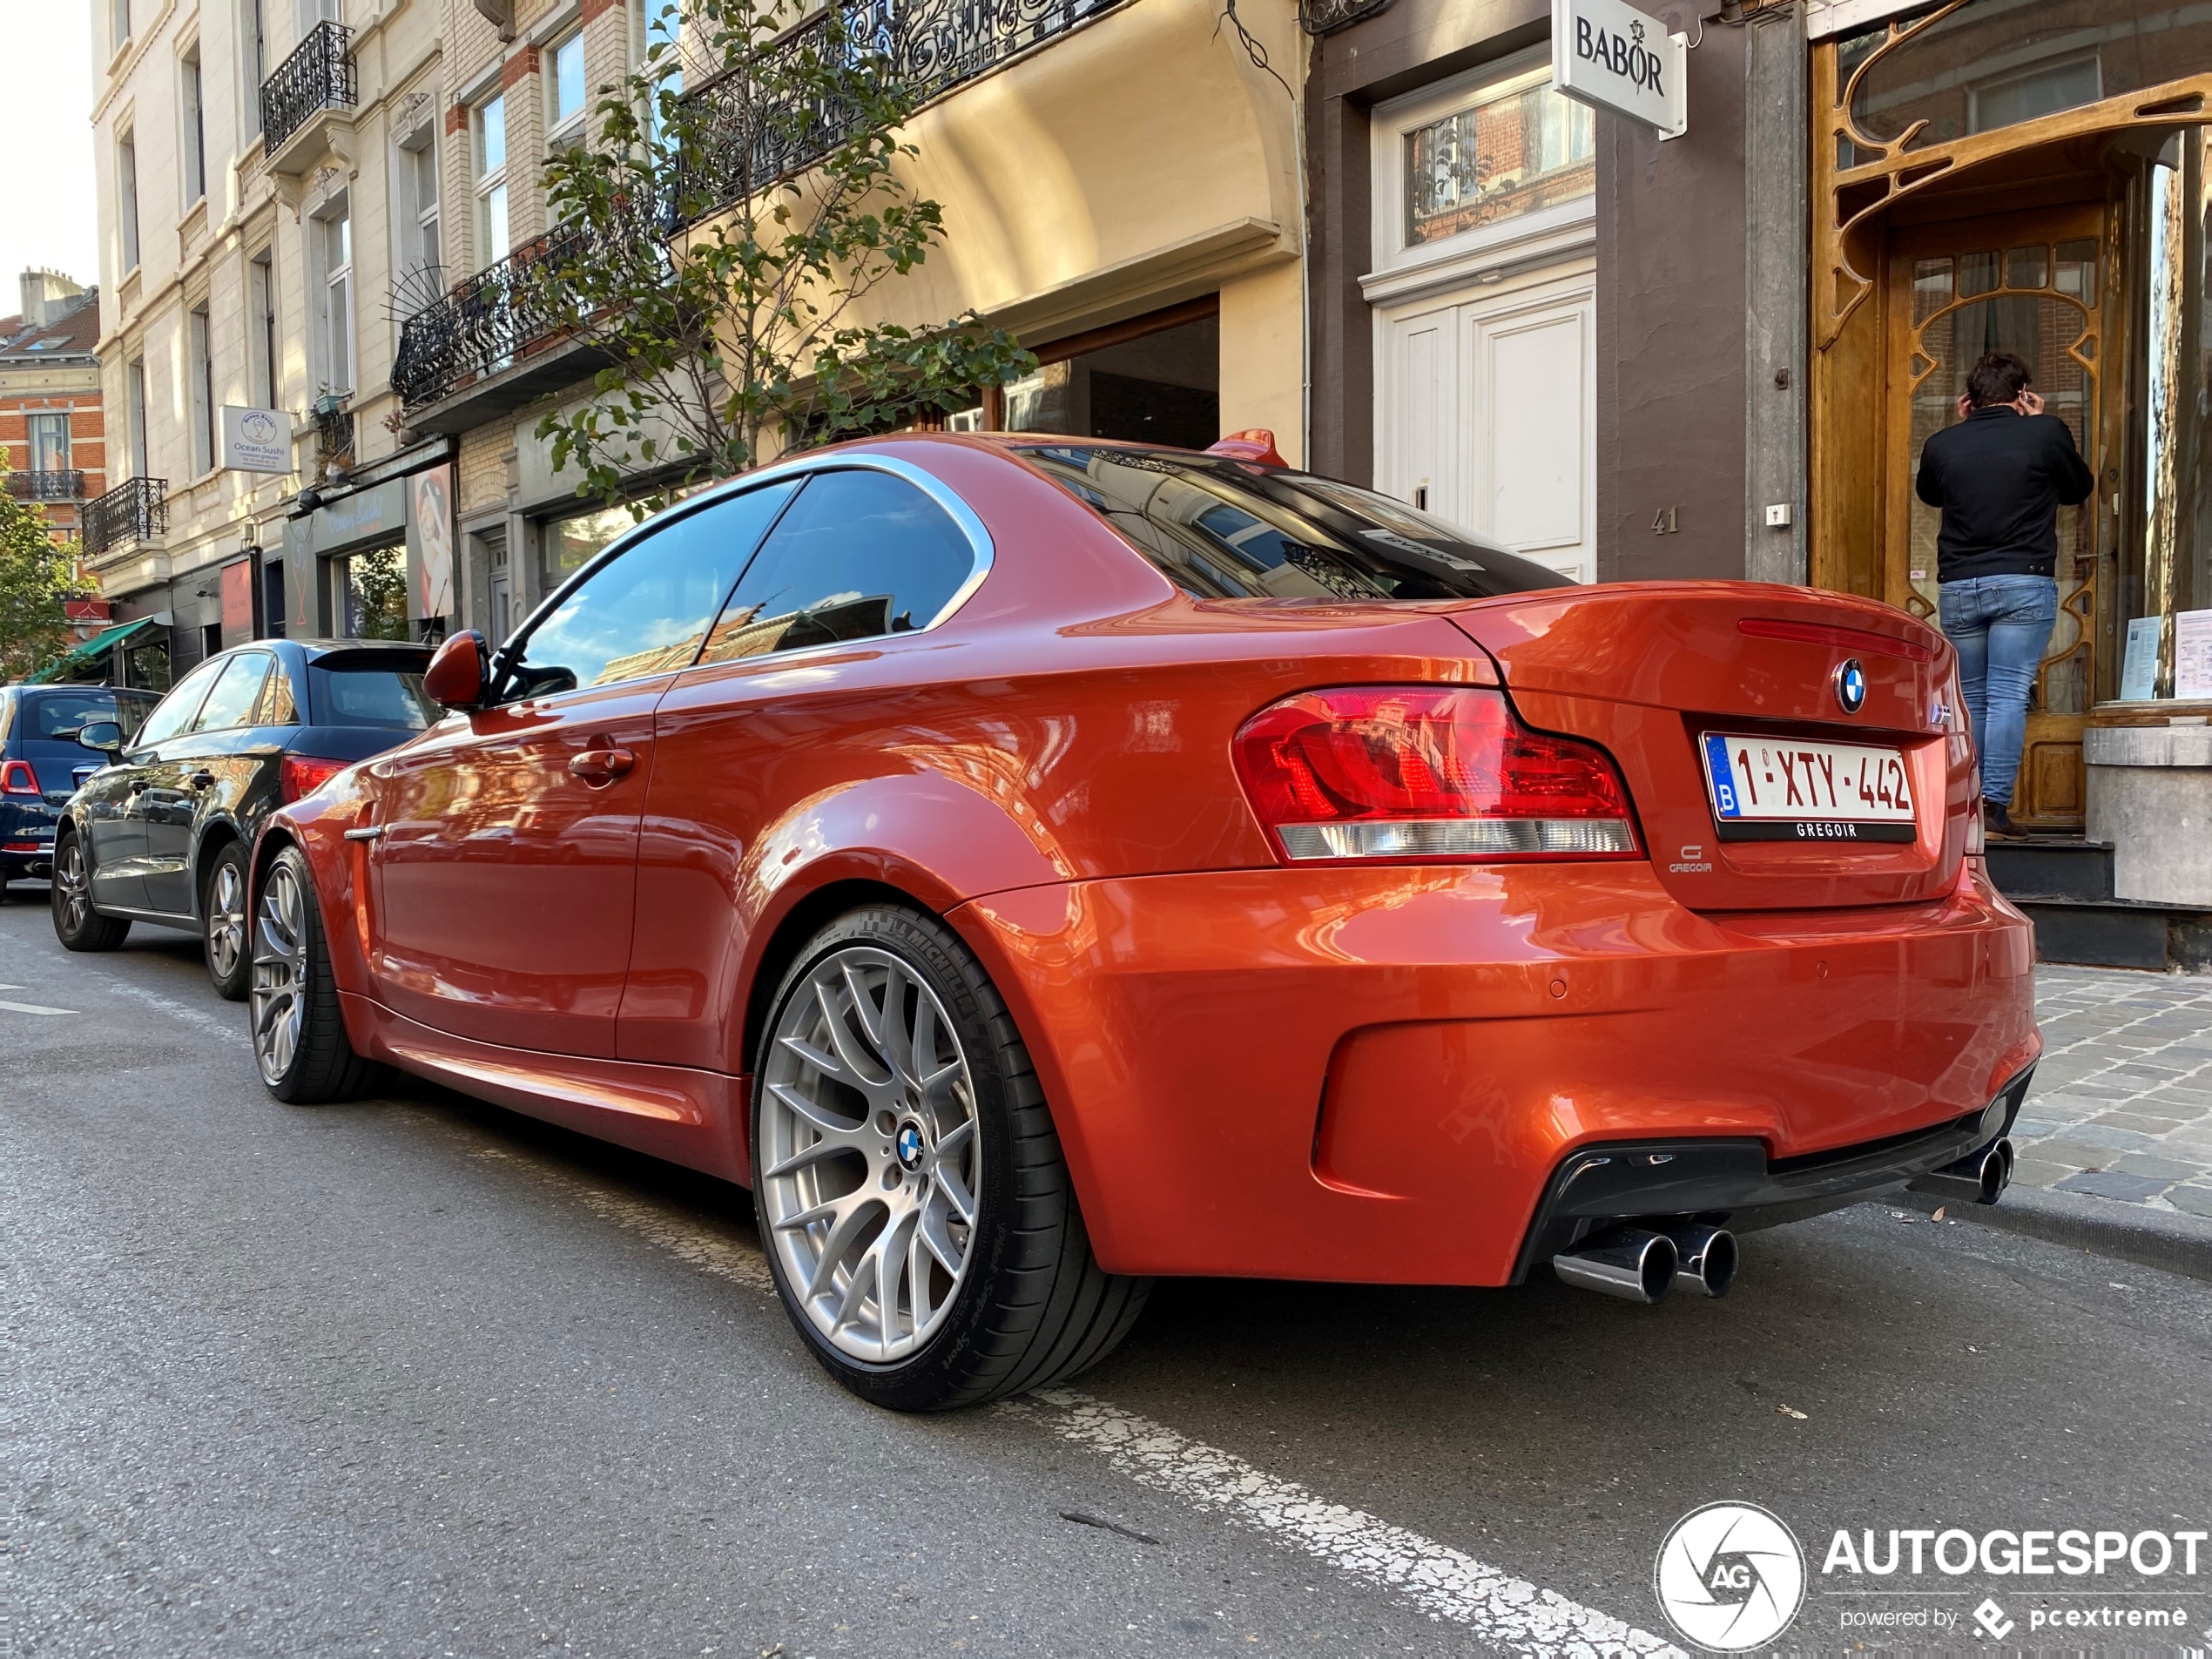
[{"x": 50, "y": 427}]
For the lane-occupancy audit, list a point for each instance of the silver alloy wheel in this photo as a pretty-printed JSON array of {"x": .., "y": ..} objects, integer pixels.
[
  {"x": 279, "y": 973},
  {"x": 869, "y": 1161},
  {"x": 225, "y": 919},
  {"x": 75, "y": 891}
]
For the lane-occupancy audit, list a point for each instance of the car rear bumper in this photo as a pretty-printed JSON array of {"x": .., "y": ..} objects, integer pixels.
[{"x": 1379, "y": 1075}]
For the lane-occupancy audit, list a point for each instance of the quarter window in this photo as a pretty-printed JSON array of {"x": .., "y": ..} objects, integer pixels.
[
  {"x": 231, "y": 703},
  {"x": 859, "y": 554},
  {"x": 646, "y": 611},
  {"x": 175, "y": 710}
]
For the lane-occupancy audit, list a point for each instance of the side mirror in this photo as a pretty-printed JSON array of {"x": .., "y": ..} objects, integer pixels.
[
  {"x": 459, "y": 672},
  {"x": 104, "y": 735}
]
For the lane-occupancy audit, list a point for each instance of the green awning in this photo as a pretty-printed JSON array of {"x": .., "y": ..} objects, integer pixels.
[{"x": 89, "y": 653}]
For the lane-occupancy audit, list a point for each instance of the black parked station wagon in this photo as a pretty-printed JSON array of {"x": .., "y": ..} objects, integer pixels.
[{"x": 163, "y": 833}]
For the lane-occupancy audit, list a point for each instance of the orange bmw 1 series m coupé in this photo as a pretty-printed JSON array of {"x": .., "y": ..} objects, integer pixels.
[{"x": 1035, "y": 865}]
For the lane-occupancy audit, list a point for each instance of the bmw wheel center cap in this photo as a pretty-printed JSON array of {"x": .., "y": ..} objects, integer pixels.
[
  {"x": 1851, "y": 686},
  {"x": 910, "y": 1145}
]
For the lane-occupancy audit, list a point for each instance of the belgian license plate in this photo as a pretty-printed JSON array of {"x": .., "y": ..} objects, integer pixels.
[{"x": 1792, "y": 789}]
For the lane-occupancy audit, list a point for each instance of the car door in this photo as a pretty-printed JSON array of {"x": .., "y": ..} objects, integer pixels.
[
  {"x": 113, "y": 803},
  {"x": 808, "y": 649},
  {"x": 504, "y": 849},
  {"x": 196, "y": 772}
]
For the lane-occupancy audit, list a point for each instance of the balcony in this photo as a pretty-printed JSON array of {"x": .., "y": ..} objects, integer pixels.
[
  {"x": 305, "y": 98},
  {"x": 131, "y": 511},
  {"x": 485, "y": 332},
  {"x": 65, "y": 484}
]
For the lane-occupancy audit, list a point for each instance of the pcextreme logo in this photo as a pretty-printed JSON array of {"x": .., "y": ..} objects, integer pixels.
[{"x": 1729, "y": 1577}]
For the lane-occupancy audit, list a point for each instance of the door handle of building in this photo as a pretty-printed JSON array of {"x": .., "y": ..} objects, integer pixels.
[
  {"x": 601, "y": 765},
  {"x": 203, "y": 780}
]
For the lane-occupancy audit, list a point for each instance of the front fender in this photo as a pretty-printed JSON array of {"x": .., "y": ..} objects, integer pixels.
[{"x": 339, "y": 869}]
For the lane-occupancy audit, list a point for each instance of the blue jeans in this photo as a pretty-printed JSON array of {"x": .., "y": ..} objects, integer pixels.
[{"x": 1999, "y": 625}]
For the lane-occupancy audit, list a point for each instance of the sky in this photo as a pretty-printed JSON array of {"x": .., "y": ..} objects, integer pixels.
[{"x": 47, "y": 203}]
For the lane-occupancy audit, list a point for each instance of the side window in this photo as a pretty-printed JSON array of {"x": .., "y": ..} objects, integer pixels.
[
  {"x": 646, "y": 612},
  {"x": 279, "y": 705},
  {"x": 231, "y": 704},
  {"x": 860, "y": 554},
  {"x": 175, "y": 710}
]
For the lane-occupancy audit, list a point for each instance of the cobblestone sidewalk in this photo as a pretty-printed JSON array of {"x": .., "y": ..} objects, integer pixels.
[{"x": 2123, "y": 1103}]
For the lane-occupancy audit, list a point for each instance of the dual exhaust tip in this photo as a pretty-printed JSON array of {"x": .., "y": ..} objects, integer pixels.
[
  {"x": 1638, "y": 1264},
  {"x": 1642, "y": 1264}
]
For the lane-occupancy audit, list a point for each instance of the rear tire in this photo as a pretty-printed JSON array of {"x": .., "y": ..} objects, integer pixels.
[
  {"x": 225, "y": 934},
  {"x": 76, "y": 923},
  {"x": 901, "y": 1142},
  {"x": 299, "y": 1041}
]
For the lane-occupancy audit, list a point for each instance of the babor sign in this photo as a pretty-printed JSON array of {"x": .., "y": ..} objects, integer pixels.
[
  {"x": 1613, "y": 57},
  {"x": 257, "y": 440}
]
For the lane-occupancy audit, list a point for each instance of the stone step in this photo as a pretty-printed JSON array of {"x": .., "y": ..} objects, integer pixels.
[
  {"x": 2067, "y": 867},
  {"x": 2118, "y": 933}
]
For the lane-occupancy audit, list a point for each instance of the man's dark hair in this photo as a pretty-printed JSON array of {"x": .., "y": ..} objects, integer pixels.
[{"x": 2000, "y": 377}]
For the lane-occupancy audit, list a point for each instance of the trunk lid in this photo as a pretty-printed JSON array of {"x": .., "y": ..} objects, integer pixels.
[{"x": 1647, "y": 670}]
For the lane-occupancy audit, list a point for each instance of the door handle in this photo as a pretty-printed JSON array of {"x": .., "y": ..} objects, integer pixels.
[
  {"x": 601, "y": 765},
  {"x": 203, "y": 780},
  {"x": 367, "y": 832}
]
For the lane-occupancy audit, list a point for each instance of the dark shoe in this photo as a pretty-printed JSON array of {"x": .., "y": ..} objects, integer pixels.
[{"x": 1997, "y": 822}]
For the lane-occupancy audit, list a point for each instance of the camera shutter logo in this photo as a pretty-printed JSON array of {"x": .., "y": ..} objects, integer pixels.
[{"x": 1729, "y": 1577}]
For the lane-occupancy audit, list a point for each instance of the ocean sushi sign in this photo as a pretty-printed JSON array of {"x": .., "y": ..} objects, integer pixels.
[{"x": 1613, "y": 57}]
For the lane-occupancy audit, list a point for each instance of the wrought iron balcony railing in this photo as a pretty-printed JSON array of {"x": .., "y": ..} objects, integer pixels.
[
  {"x": 134, "y": 509},
  {"x": 319, "y": 75},
  {"x": 496, "y": 316},
  {"x": 1326, "y": 16},
  {"x": 66, "y": 484}
]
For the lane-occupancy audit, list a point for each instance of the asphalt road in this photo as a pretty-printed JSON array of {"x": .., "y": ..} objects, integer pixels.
[{"x": 417, "y": 1376}]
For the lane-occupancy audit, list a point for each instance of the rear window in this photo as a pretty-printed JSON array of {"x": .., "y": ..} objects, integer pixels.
[
  {"x": 1221, "y": 530},
  {"x": 47, "y": 716},
  {"x": 367, "y": 693}
]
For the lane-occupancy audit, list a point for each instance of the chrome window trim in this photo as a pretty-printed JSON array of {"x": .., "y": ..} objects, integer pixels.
[{"x": 984, "y": 550}]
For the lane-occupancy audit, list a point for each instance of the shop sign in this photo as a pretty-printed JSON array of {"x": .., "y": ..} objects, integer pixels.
[
  {"x": 256, "y": 439},
  {"x": 430, "y": 516},
  {"x": 1612, "y": 56}
]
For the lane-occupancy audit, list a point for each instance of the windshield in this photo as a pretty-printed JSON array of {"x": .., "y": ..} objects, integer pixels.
[
  {"x": 1219, "y": 528},
  {"x": 365, "y": 694}
]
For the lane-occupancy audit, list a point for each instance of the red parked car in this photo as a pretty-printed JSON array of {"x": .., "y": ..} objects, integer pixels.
[{"x": 1034, "y": 864}]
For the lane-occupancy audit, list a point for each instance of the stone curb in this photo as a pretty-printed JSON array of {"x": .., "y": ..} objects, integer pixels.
[{"x": 2163, "y": 1238}]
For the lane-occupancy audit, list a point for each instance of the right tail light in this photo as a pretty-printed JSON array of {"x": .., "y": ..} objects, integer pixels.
[{"x": 1417, "y": 772}]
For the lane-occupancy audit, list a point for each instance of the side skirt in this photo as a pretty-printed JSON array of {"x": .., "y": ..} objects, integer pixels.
[{"x": 694, "y": 1118}]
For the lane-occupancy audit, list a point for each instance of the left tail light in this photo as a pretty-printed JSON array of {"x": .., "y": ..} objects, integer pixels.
[
  {"x": 1404, "y": 772},
  {"x": 17, "y": 778},
  {"x": 304, "y": 775}
]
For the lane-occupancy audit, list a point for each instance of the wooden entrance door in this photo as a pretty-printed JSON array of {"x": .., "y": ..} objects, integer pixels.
[{"x": 2033, "y": 284}]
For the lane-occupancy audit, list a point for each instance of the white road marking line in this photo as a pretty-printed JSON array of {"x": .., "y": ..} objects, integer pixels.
[
  {"x": 234, "y": 1030},
  {"x": 1509, "y": 1613},
  {"x": 29, "y": 1007}
]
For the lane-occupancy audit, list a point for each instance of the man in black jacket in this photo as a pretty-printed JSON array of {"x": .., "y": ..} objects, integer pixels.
[{"x": 1999, "y": 476}]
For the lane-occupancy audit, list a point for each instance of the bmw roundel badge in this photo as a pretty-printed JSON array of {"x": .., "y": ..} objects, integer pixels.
[{"x": 1851, "y": 686}]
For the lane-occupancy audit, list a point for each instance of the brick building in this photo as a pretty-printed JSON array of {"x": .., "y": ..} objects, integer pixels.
[{"x": 50, "y": 427}]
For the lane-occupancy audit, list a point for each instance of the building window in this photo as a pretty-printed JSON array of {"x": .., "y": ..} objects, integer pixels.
[
  {"x": 126, "y": 193},
  {"x": 1515, "y": 148},
  {"x": 262, "y": 330},
  {"x": 203, "y": 393},
  {"x": 420, "y": 279},
  {"x": 254, "y": 27},
  {"x": 135, "y": 394},
  {"x": 565, "y": 94},
  {"x": 490, "y": 126},
  {"x": 50, "y": 442},
  {"x": 119, "y": 20},
  {"x": 195, "y": 124},
  {"x": 660, "y": 25},
  {"x": 334, "y": 321},
  {"x": 373, "y": 590}
]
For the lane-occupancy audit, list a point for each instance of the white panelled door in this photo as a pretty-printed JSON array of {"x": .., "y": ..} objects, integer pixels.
[{"x": 1487, "y": 407}]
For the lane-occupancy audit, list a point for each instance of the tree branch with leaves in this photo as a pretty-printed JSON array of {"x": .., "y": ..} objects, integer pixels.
[
  {"x": 36, "y": 575},
  {"x": 719, "y": 249}
]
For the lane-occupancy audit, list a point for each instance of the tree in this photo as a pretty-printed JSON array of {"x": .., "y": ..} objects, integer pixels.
[
  {"x": 36, "y": 576},
  {"x": 719, "y": 249}
]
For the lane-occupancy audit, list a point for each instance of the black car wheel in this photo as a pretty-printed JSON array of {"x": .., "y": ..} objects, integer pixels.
[
  {"x": 913, "y": 1202},
  {"x": 223, "y": 923},
  {"x": 299, "y": 1039},
  {"x": 76, "y": 923}
]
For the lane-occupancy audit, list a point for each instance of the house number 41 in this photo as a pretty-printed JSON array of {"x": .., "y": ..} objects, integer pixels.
[{"x": 1666, "y": 521}]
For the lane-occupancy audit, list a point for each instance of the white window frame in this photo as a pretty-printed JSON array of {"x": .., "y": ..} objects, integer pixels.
[
  {"x": 1566, "y": 229},
  {"x": 34, "y": 422},
  {"x": 134, "y": 393},
  {"x": 261, "y": 326},
  {"x": 200, "y": 346},
  {"x": 488, "y": 181},
  {"x": 191, "y": 117},
  {"x": 562, "y": 130},
  {"x": 418, "y": 252},
  {"x": 126, "y": 200},
  {"x": 337, "y": 297}
]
